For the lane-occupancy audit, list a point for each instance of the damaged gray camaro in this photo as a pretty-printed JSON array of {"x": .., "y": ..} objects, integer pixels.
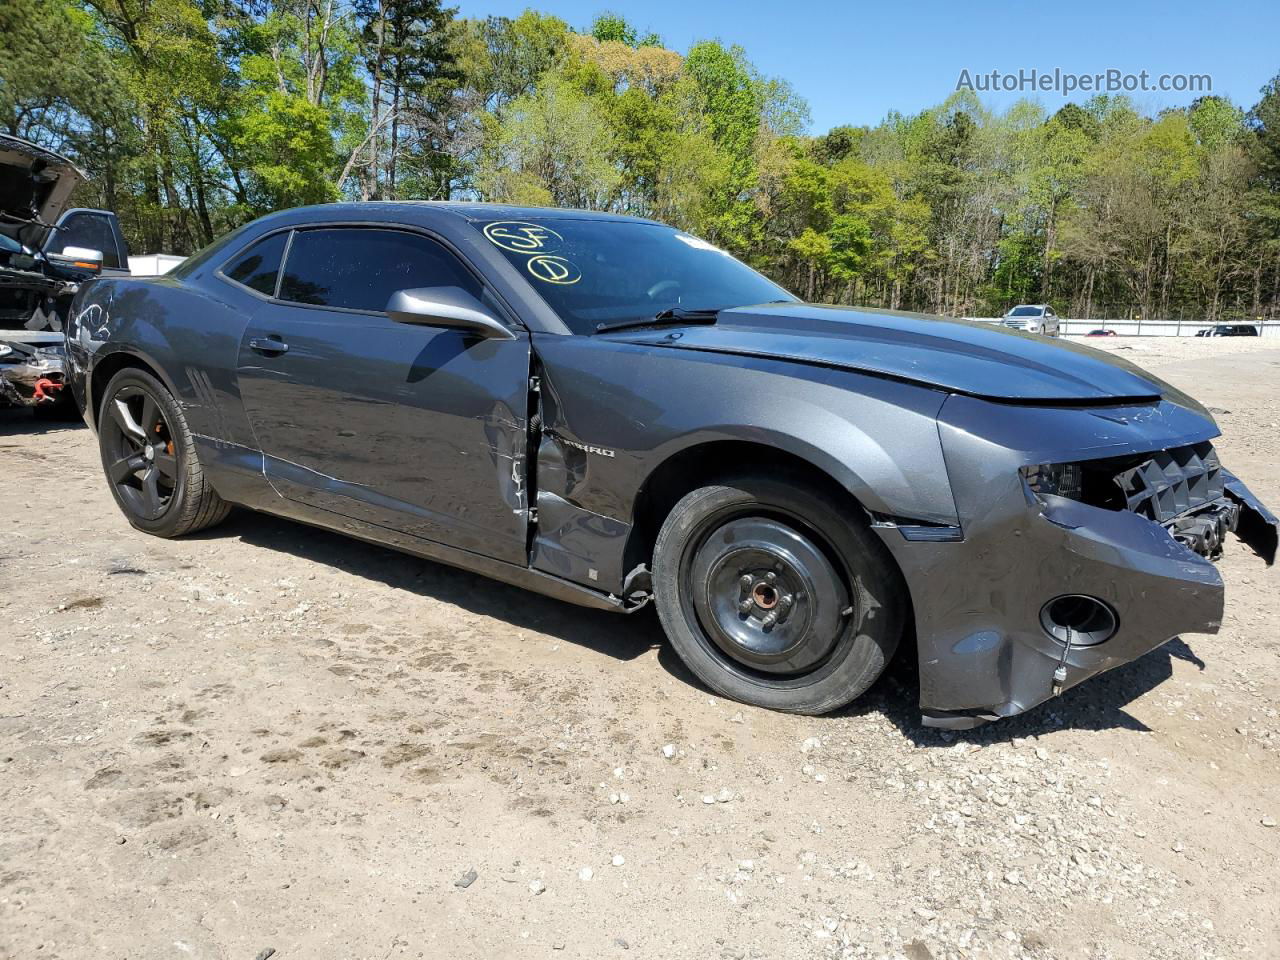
[{"x": 611, "y": 411}]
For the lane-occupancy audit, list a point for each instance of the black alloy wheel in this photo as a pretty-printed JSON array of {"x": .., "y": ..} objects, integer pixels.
[
  {"x": 149, "y": 457},
  {"x": 139, "y": 450}
]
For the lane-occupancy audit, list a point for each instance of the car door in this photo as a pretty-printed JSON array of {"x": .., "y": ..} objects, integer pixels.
[
  {"x": 420, "y": 429},
  {"x": 1050, "y": 322}
]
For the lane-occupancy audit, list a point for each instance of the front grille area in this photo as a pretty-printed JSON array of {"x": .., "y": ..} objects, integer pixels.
[
  {"x": 1182, "y": 489},
  {"x": 1161, "y": 486},
  {"x": 1172, "y": 482}
]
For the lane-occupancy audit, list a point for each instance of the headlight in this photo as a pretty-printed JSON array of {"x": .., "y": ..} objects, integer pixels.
[{"x": 1055, "y": 479}]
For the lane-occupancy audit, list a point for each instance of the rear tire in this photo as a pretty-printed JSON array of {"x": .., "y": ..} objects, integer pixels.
[
  {"x": 731, "y": 555},
  {"x": 149, "y": 457}
]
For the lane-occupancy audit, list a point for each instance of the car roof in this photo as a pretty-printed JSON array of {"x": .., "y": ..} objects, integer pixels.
[
  {"x": 466, "y": 210},
  {"x": 489, "y": 211}
]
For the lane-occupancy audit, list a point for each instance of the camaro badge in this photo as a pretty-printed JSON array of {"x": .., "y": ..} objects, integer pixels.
[{"x": 585, "y": 447}]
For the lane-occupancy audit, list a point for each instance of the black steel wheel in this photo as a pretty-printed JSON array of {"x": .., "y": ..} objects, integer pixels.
[
  {"x": 772, "y": 597},
  {"x": 150, "y": 459},
  {"x": 766, "y": 594}
]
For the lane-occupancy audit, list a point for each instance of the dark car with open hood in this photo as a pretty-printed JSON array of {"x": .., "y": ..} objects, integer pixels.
[
  {"x": 46, "y": 252},
  {"x": 614, "y": 412}
]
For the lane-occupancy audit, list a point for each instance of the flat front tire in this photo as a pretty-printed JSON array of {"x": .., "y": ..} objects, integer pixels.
[
  {"x": 149, "y": 457},
  {"x": 773, "y": 596}
]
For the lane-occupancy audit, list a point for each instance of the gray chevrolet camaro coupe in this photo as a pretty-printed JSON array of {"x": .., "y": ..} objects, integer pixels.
[{"x": 608, "y": 410}]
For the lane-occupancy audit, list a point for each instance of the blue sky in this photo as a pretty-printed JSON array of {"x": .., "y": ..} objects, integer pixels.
[{"x": 854, "y": 62}]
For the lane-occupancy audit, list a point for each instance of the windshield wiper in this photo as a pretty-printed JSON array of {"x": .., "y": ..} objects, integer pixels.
[{"x": 670, "y": 315}]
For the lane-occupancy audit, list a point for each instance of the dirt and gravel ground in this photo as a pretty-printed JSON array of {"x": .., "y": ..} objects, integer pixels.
[{"x": 270, "y": 737}]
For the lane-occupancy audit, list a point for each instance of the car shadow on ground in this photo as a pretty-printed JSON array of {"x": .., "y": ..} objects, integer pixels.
[
  {"x": 22, "y": 421},
  {"x": 1097, "y": 704},
  {"x": 620, "y": 636}
]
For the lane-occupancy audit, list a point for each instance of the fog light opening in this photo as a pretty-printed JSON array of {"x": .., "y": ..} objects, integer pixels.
[{"x": 1090, "y": 620}]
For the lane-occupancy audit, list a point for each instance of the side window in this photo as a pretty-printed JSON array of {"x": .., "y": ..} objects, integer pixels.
[
  {"x": 89, "y": 230},
  {"x": 359, "y": 268},
  {"x": 257, "y": 267}
]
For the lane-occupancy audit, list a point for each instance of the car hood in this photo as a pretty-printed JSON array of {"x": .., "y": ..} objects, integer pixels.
[
  {"x": 958, "y": 356},
  {"x": 35, "y": 187}
]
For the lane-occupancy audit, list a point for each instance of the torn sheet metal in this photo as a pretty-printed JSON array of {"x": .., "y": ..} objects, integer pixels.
[
  {"x": 1257, "y": 526},
  {"x": 577, "y": 544}
]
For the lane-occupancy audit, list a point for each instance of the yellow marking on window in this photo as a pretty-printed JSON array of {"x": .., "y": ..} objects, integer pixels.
[
  {"x": 551, "y": 269},
  {"x": 521, "y": 236}
]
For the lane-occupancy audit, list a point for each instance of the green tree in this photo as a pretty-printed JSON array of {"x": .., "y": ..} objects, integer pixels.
[
  {"x": 297, "y": 112},
  {"x": 613, "y": 27},
  {"x": 53, "y": 75},
  {"x": 195, "y": 115},
  {"x": 732, "y": 103},
  {"x": 550, "y": 148},
  {"x": 508, "y": 57},
  {"x": 412, "y": 59},
  {"x": 1263, "y": 146},
  {"x": 168, "y": 63}
]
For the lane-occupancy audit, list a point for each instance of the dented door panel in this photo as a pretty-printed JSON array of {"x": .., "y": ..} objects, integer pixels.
[
  {"x": 415, "y": 428},
  {"x": 577, "y": 544}
]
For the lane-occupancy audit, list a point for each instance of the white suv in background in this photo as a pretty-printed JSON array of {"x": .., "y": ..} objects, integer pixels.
[{"x": 1032, "y": 317}]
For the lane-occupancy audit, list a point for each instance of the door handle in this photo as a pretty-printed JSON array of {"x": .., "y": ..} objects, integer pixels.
[{"x": 268, "y": 345}]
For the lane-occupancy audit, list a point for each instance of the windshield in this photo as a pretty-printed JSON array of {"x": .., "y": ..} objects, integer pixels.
[
  {"x": 1025, "y": 312},
  {"x": 594, "y": 272}
]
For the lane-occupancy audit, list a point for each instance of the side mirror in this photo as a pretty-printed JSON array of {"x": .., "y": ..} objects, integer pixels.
[
  {"x": 81, "y": 258},
  {"x": 446, "y": 307}
]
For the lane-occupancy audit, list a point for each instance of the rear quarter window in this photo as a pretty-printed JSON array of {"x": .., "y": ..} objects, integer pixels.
[{"x": 258, "y": 267}]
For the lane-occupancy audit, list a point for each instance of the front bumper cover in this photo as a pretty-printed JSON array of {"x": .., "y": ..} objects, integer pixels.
[
  {"x": 1257, "y": 525},
  {"x": 977, "y": 600}
]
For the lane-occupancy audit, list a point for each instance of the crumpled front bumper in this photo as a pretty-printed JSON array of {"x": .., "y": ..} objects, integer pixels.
[
  {"x": 1258, "y": 526},
  {"x": 978, "y": 597}
]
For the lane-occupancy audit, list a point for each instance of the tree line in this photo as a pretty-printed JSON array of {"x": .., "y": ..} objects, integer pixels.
[{"x": 195, "y": 116}]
